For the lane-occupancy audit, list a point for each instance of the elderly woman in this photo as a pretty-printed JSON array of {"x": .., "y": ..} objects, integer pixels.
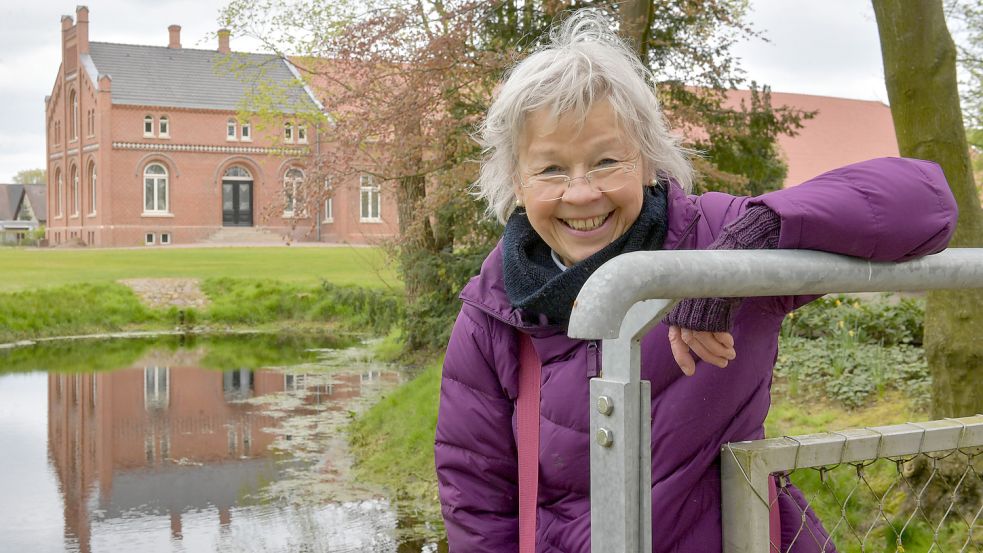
[{"x": 581, "y": 168}]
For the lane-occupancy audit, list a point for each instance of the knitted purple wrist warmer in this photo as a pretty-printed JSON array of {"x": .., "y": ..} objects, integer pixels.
[{"x": 757, "y": 229}]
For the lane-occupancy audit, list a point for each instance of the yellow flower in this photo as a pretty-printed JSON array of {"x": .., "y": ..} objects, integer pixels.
[
  {"x": 837, "y": 303},
  {"x": 850, "y": 333},
  {"x": 856, "y": 305},
  {"x": 791, "y": 315},
  {"x": 840, "y": 324}
]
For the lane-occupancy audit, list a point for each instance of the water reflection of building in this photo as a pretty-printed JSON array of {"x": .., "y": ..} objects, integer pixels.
[{"x": 165, "y": 439}]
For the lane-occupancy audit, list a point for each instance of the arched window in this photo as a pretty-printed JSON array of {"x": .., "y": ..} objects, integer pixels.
[
  {"x": 75, "y": 115},
  {"x": 292, "y": 183},
  {"x": 92, "y": 188},
  {"x": 246, "y": 132},
  {"x": 76, "y": 197},
  {"x": 164, "y": 126},
  {"x": 230, "y": 129},
  {"x": 59, "y": 190},
  {"x": 288, "y": 132},
  {"x": 155, "y": 189},
  {"x": 237, "y": 172},
  {"x": 148, "y": 126}
]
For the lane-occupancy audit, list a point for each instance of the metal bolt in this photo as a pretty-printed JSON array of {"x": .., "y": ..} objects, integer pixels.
[
  {"x": 605, "y": 405},
  {"x": 605, "y": 437}
]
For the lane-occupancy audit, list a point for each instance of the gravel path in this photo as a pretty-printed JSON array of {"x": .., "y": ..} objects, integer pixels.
[{"x": 168, "y": 292}]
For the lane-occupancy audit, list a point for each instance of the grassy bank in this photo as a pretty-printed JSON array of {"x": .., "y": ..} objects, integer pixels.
[
  {"x": 234, "y": 303},
  {"x": 33, "y": 268}
]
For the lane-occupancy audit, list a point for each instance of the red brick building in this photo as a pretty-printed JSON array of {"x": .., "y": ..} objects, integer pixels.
[{"x": 148, "y": 145}]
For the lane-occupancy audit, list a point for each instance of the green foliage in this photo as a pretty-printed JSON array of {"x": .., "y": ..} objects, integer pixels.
[
  {"x": 846, "y": 349},
  {"x": 430, "y": 317},
  {"x": 255, "y": 302},
  {"x": 30, "y": 176},
  {"x": 69, "y": 310},
  {"x": 890, "y": 321},
  {"x": 841, "y": 369},
  {"x": 744, "y": 142}
]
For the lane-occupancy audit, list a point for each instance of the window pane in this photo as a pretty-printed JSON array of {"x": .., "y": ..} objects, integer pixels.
[
  {"x": 365, "y": 203},
  {"x": 163, "y": 125},
  {"x": 148, "y": 125},
  {"x": 375, "y": 203},
  {"x": 155, "y": 170},
  {"x": 245, "y": 131},
  {"x": 148, "y": 195},
  {"x": 162, "y": 194}
]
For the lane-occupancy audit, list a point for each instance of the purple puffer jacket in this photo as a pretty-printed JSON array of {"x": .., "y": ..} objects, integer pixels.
[{"x": 885, "y": 209}]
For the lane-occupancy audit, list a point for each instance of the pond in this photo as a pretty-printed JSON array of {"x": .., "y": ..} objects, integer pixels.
[{"x": 232, "y": 443}]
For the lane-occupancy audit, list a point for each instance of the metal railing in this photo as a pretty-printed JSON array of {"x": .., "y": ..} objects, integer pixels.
[
  {"x": 746, "y": 466},
  {"x": 630, "y": 294}
]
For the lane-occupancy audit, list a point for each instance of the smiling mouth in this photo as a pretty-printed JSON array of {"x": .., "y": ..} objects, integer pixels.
[{"x": 589, "y": 223}]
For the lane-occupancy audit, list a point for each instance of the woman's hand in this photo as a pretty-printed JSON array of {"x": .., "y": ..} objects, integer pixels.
[{"x": 716, "y": 348}]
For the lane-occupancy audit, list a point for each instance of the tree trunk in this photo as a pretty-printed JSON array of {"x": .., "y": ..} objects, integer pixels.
[
  {"x": 636, "y": 20},
  {"x": 920, "y": 72}
]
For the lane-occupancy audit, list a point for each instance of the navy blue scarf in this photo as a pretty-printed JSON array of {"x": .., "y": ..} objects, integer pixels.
[{"x": 536, "y": 285}]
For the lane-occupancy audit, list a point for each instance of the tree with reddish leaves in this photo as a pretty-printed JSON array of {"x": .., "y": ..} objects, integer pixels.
[{"x": 404, "y": 84}]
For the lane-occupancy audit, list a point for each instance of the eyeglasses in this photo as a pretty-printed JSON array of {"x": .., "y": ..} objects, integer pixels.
[{"x": 549, "y": 188}]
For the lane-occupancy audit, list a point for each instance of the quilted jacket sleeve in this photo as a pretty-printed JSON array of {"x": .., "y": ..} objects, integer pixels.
[
  {"x": 887, "y": 209},
  {"x": 475, "y": 450}
]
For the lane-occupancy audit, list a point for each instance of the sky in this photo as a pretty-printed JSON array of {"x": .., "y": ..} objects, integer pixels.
[{"x": 822, "y": 47}]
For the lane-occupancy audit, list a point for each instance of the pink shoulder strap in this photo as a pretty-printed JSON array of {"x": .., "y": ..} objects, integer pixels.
[{"x": 527, "y": 421}]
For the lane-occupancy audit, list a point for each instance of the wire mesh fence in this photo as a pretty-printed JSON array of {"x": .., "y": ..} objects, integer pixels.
[{"x": 906, "y": 488}]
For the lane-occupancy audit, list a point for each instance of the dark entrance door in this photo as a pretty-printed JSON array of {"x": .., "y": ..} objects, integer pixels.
[{"x": 237, "y": 198}]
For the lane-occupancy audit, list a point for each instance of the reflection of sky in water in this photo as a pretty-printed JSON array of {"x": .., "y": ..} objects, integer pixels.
[
  {"x": 196, "y": 501},
  {"x": 364, "y": 526},
  {"x": 30, "y": 505}
]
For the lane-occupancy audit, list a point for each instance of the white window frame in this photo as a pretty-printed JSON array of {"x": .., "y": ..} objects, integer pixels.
[
  {"x": 93, "y": 192},
  {"x": 59, "y": 190},
  {"x": 290, "y": 186},
  {"x": 368, "y": 189},
  {"x": 230, "y": 125},
  {"x": 165, "y": 238},
  {"x": 246, "y": 132},
  {"x": 148, "y": 119},
  {"x": 164, "y": 127},
  {"x": 301, "y": 134},
  {"x": 148, "y": 239},
  {"x": 156, "y": 209},
  {"x": 288, "y": 133},
  {"x": 328, "y": 203},
  {"x": 75, "y": 193}
]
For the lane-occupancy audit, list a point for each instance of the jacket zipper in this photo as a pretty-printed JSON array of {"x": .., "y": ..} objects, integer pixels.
[{"x": 593, "y": 359}]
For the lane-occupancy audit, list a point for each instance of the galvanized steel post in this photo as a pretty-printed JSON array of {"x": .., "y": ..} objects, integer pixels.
[{"x": 628, "y": 295}]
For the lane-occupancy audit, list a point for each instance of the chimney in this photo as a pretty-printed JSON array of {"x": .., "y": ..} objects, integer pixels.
[
  {"x": 223, "y": 41},
  {"x": 82, "y": 28},
  {"x": 175, "y": 32}
]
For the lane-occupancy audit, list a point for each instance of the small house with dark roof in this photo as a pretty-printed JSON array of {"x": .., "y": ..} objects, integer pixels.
[
  {"x": 153, "y": 145},
  {"x": 22, "y": 211}
]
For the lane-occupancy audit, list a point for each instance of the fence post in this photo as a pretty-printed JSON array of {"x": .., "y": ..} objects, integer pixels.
[{"x": 744, "y": 501}]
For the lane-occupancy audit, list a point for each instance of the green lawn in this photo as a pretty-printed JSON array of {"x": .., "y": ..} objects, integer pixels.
[{"x": 22, "y": 269}]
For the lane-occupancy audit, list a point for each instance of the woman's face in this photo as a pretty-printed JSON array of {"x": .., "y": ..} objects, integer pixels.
[{"x": 584, "y": 220}]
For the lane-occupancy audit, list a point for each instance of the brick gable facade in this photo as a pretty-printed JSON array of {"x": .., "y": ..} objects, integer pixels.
[{"x": 145, "y": 146}]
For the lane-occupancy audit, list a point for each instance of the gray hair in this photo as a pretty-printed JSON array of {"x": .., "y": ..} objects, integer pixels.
[{"x": 584, "y": 62}]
